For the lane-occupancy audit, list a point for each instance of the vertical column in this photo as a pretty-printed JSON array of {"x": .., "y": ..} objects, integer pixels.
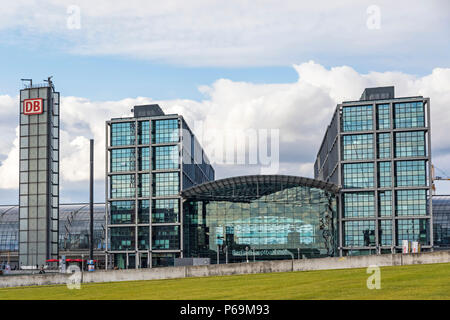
[
  {"x": 340, "y": 224},
  {"x": 375, "y": 172},
  {"x": 392, "y": 154},
  {"x": 150, "y": 201},
  {"x": 430, "y": 178},
  {"x": 136, "y": 193},
  {"x": 106, "y": 193}
]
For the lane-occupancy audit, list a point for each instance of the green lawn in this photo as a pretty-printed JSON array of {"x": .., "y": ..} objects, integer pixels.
[{"x": 406, "y": 282}]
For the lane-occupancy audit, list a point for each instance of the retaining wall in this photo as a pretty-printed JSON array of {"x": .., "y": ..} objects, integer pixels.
[{"x": 230, "y": 269}]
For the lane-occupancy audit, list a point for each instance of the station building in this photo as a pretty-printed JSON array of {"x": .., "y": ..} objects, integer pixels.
[
  {"x": 150, "y": 158},
  {"x": 378, "y": 151},
  {"x": 372, "y": 189}
]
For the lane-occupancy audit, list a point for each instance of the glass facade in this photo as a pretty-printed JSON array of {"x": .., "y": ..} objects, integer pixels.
[
  {"x": 165, "y": 131},
  {"x": 358, "y": 147},
  {"x": 359, "y": 204},
  {"x": 123, "y": 160},
  {"x": 441, "y": 221},
  {"x": 165, "y": 210},
  {"x": 383, "y": 117},
  {"x": 122, "y": 133},
  {"x": 410, "y": 144},
  {"x": 411, "y": 202},
  {"x": 384, "y": 174},
  {"x": 358, "y": 175},
  {"x": 385, "y": 230},
  {"x": 409, "y": 115},
  {"x": 384, "y": 145},
  {"x": 413, "y": 230},
  {"x": 166, "y": 157},
  {"x": 144, "y": 173},
  {"x": 166, "y": 184},
  {"x": 357, "y": 118},
  {"x": 385, "y": 203},
  {"x": 382, "y": 162},
  {"x": 122, "y": 212},
  {"x": 262, "y": 217},
  {"x": 359, "y": 233},
  {"x": 410, "y": 173}
]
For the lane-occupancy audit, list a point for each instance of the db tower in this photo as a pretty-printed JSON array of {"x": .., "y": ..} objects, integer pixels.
[{"x": 39, "y": 174}]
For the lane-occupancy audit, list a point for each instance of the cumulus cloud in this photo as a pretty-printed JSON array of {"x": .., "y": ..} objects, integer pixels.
[
  {"x": 234, "y": 32},
  {"x": 300, "y": 111}
]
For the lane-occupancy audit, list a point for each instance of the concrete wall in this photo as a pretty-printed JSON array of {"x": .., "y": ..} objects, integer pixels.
[{"x": 229, "y": 269}]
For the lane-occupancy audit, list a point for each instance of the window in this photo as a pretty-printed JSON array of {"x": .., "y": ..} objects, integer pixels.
[
  {"x": 358, "y": 147},
  {"x": 144, "y": 185},
  {"x": 123, "y": 160},
  {"x": 359, "y": 233},
  {"x": 122, "y": 238},
  {"x": 122, "y": 133},
  {"x": 413, "y": 230},
  {"x": 385, "y": 203},
  {"x": 143, "y": 211},
  {"x": 384, "y": 174},
  {"x": 165, "y": 131},
  {"x": 144, "y": 159},
  {"x": 410, "y": 144},
  {"x": 383, "y": 119},
  {"x": 410, "y": 173},
  {"x": 359, "y": 204},
  {"x": 385, "y": 232},
  {"x": 384, "y": 145},
  {"x": 165, "y": 238},
  {"x": 358, "y": 175},
  {"x": 122, "y": 212},
  {"x": 143, "y": 132},
  {"x": 409, "y": 115},
  {"x": 165, "y": 211},
  {"x": 143, "y": 238},
  {"x": 165, "y": 158},
  {"x": 357, "y": 118},
  {"x": 165, "y": 184},
  {"x": 123, "y": 186},
  {"x": 411, "y": 202}
]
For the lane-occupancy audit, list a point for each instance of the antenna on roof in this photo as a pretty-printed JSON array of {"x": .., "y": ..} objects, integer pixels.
[{"x": 49, "y": 80}]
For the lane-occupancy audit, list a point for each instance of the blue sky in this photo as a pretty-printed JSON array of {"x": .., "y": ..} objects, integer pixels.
[{"x": 211, "y": 60}]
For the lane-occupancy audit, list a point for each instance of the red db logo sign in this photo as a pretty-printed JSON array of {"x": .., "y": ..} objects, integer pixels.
[{"x": 33, "y": 106}]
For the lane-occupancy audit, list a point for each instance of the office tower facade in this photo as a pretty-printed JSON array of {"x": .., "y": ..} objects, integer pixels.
[
  {"x": 378, "y": 151},
  {"x": 39, "y": 174},
  {"x": 150, "y": 159}
]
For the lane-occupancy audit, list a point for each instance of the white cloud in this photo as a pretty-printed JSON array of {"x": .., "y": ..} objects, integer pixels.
[
  {"x": 301, "y": 110},
  {"x": 234, "y": 32}
]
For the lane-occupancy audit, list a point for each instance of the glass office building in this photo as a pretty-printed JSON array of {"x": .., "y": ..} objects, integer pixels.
[
  {"x": 260, "y": 218},
  {"x": 378, "y": 151},
  {"x": 150, "y": 158},
  {"x": 39, "y": 174}
]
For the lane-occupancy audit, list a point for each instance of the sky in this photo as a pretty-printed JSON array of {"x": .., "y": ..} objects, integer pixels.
[{"x": 229, "y": 67}]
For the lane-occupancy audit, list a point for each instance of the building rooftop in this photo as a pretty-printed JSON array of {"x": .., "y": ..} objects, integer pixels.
[
  {"x": 148, "y": 110},
  {"x": 378, "y": 93}
]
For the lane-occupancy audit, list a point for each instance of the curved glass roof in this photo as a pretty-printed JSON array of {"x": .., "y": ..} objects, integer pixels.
[
  {"x": 73, "y": 226},
  {"x": 243, "y": 188}
]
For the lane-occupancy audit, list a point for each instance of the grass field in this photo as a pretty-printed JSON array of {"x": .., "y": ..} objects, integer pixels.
[{"x": 406, "y": 282}]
